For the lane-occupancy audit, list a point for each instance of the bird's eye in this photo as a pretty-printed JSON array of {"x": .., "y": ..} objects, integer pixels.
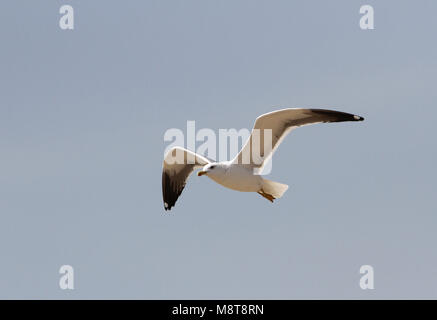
[{"x": 212, "y": 167}]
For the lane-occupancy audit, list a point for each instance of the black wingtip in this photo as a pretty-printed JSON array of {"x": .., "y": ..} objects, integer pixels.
[
  {"x": 169, "y": 195},
  {"x": 336, "y": 116}
]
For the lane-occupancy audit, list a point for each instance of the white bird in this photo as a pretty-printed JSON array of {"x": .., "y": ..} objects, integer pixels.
[{"x": 242, "y": 173}]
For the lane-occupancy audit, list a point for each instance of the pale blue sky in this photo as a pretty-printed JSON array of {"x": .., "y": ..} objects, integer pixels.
[{"x": 82, "y": 119}]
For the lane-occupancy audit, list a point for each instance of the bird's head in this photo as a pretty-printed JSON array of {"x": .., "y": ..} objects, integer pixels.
[{"x": 211, "y": 169}]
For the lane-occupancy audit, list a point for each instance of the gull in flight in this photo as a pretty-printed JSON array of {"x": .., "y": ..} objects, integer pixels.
[{"x": 243, "y": 172}]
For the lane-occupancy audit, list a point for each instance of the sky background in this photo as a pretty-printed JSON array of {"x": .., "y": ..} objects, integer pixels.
[{"x": 83, "y": 115}]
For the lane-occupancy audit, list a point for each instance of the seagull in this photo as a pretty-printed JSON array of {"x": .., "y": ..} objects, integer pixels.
[{"x": 243, "y": 172}]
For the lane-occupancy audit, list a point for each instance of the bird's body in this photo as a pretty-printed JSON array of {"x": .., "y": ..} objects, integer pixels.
[
  {"x": 242, "y": 173},
  {"x": 236, "y": 177}
]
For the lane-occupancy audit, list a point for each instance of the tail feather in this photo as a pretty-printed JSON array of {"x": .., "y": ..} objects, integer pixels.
[{"x": 273, "y": 188}]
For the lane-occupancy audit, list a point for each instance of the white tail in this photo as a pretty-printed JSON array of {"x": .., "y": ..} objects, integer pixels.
[{"x": 276, "y": 189}]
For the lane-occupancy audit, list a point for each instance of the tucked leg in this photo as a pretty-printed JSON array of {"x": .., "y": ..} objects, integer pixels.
[{"x": 266, "y": 195}]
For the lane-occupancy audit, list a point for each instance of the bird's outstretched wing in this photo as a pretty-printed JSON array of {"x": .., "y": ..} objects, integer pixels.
[
  {"x": 178, "y": 164},
  {"x": 256, "y": 152}
]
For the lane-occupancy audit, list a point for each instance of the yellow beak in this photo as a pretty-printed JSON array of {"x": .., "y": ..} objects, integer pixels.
[{"x": 201, "y": 173}]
